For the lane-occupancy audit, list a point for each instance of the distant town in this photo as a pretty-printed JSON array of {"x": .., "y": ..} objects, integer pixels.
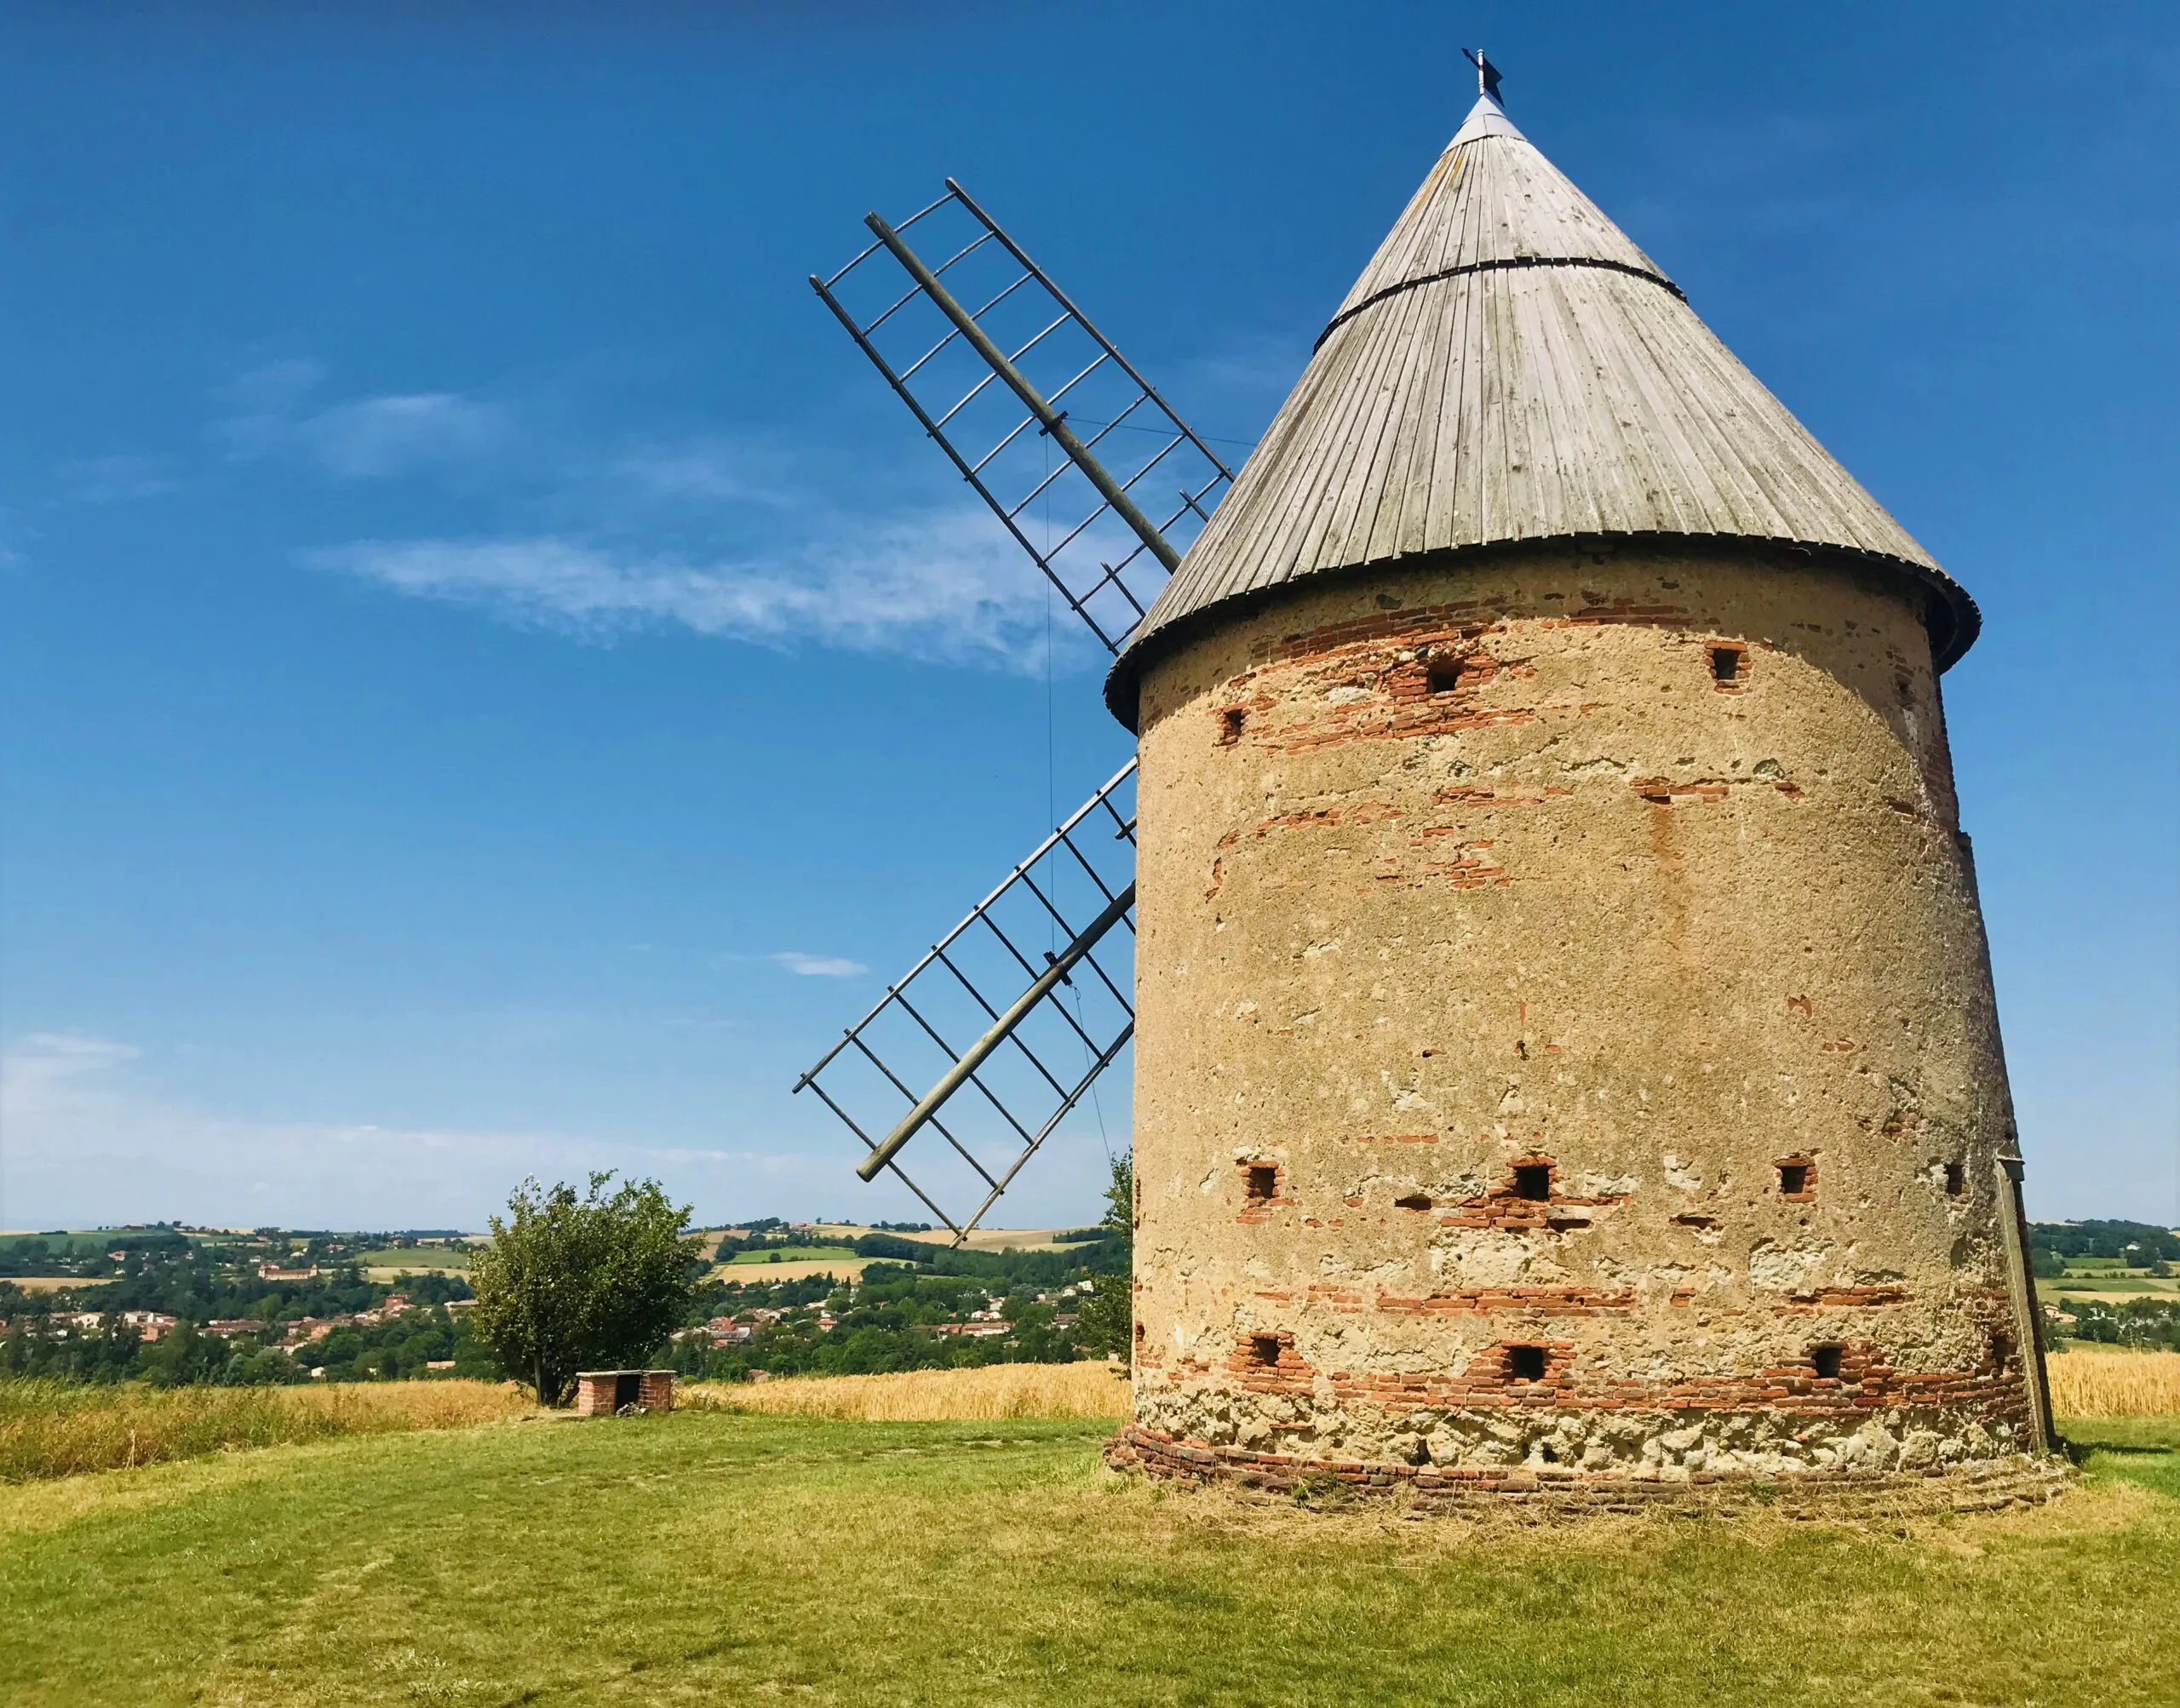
[{"x": 171, "y": 1304}]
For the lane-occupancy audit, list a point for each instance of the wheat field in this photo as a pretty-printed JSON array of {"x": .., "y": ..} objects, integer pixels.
[
  {"x": 59, "y": 1429},
  {"x": 2114, "y": 1384},
  {"x": 55, "y": 1428},
  {"x": 926, "y": 1396},
  {"x": 2083, "y": 1385}
]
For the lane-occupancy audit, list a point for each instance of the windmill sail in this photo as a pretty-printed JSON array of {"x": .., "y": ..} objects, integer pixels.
[
  {"x": 1000, "y": 1033},
  {"x": 1098, "y": 481}
]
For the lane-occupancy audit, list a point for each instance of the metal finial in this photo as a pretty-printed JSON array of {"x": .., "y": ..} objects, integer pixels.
[{"x": 1487, "y": 74}]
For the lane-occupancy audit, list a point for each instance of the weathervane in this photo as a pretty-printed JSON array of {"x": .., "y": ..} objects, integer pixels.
[{"x": 1487, "y": 74}]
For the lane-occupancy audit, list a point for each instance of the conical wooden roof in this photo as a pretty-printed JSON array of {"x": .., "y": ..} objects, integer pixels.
[{"x": 1511, "y": 367}]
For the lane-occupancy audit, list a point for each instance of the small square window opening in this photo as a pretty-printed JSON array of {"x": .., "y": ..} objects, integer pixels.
[
  {"x": 1827, "y": 1361},
  {"x": 1725, "y": 663},
  {"x": 1265, "y": 1349},
  {"x": 1525, "y": 1363},
  {"x": 1956, "y": 1182},
  {"x": 1533, "y": 1180},
  {"x": 1444, "y": 675},
  {"x": 1262, "y": 1182},
  {"x": 1793, "y": 1179},
  {"x": 1230, "y": 725}
]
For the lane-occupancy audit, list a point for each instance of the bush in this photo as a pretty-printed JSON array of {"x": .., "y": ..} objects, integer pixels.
[{"x": 597, "y": 1280}]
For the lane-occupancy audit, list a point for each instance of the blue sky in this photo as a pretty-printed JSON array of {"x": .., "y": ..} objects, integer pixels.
[{"x": 491, "y": 682}]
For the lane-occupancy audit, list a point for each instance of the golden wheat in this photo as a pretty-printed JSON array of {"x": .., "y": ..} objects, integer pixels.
[
  {"x": 59, "y": 1428},
  {"x": 2115, "y": 1384},
  {"x": 995, "y": 1391}
]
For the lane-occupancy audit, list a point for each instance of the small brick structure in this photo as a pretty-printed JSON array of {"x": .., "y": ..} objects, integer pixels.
[{"x": 603, "y": 1393}]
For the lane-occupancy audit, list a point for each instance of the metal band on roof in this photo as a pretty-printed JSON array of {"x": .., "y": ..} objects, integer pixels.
[{"x": 1504, "y": 262}]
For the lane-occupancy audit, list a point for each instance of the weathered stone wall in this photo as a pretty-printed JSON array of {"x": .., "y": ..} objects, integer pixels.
[
  {"x": 1981, "y": 1485},
  {"x": 1565, "y": 1033}
]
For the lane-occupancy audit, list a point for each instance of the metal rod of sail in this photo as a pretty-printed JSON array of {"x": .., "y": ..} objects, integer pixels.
[
  {"x": 1104, "y": 798},
  {"x": 1052, "y": 421},
  {"x": 1079, "y": 605},
  {"x": 1067, "y": 303},
  {"x": 952, "y": 1080}
]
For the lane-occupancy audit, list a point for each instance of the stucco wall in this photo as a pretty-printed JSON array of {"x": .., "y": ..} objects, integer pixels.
[{"x": 1457, "y": 872}]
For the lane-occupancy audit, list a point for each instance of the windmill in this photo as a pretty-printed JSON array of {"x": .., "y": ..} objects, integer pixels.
[
  {"x": 1000, "y": 1032},
  {"x": 1529, "y": 740}
]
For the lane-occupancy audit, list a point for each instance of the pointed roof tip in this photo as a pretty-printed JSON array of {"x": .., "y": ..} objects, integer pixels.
[{"x": 1486, "y": 118}]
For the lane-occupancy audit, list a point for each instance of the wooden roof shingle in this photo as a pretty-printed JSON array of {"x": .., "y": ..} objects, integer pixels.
[{"x": 1510, "y": 368}]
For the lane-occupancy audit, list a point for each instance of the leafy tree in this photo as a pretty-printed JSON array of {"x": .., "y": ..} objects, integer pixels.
[
  {"x": 1107, "y": 1322},
  {"x": 570, "y": 1282}
]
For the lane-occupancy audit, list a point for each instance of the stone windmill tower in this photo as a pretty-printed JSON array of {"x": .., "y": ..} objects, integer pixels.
[
  {"x": 1566, "y": 1038},
  {"x": 1565, "y": 1041}
]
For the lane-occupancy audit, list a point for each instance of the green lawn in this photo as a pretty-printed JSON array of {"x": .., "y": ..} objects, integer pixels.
[
  {"x": 710, "y": 1558},
  {"x": 794, "y": 1254},
  {"x": 417, "y": 1258}
]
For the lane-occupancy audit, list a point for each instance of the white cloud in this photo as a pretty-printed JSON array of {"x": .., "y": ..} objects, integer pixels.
[
  {"x": 380, "y": 436},
  {"x": 363, "y": 438},
  {"x": 713, "y": 471},
  {"x": 818, "y": 965},
  {"x": 949, "y": 586},
  {"x": 88, "y": 1146}
]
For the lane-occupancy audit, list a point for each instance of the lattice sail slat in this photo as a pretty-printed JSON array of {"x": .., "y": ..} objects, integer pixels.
[
  {"x": 1076, "y": 453},
  {"x": 992, "y": 1040}
]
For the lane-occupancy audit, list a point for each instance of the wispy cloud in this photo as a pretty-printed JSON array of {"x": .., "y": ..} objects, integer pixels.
[
  {"x": 276, "y": 412},
  {"x": 116, "y": 479},
  {"x": 87, "y": 1146},
  {"x": 818, "y": 965},
  {"x": 42, "y": 1064},
  {"x": 947, "y": 587},
  {"x": 714, "y": 470}
]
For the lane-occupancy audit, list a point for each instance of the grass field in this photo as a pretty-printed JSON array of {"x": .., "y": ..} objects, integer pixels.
[
  {"x": 706, "y": 1557},
  {"x": 711, "y": 1555},
  {"x": 416, "y": 1259},
  {"x": 794, "y": 1254}
]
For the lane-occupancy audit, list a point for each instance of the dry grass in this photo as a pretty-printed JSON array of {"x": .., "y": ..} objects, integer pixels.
[
  {"x": 58, "y": 1283},
  {"x": 61, "y": 1429},
  {"x": 926, "y": 1396},
  {"x": 771, "y": 1275},
  {"x": 2114, "y": 1384}
]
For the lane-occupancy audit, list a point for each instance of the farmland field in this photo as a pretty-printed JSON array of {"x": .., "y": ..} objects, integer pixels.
[
  {"x": 57, "y": 1283},
  {"x": 794, "y": 1254},
  {"x": 706, "y": 1556},
  {"x": 417, "y": 1259},
  {"x": 766, "y": 1275}
]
